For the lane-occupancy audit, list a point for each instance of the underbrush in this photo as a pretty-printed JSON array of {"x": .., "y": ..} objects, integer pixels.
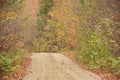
[
  {"x": 10, "y": 61},
  {"x": 15, "y": 37},
  {"x": 95, "y": 52},
  {"x": 98, "y": 36}
]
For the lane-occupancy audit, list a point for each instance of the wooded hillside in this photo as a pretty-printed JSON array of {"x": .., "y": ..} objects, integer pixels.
[
  {"x": 16, "y": 34},
  {"x": 90, "y": 29}
]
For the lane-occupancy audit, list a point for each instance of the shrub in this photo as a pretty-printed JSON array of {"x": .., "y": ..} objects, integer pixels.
[
  {"x": 10, "y": 61},
  {"x": 99, "y": 34},
  {"x": 95, "y": 51}
]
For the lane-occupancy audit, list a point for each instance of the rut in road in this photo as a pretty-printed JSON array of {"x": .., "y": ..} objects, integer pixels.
[{"x": 55, "y": 66}]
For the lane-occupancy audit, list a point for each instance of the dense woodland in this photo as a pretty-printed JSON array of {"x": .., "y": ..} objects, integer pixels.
[{"x": 87, "y": 29}]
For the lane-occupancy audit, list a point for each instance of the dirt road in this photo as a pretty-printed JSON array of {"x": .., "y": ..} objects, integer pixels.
[{"x": 55, "y": 66}]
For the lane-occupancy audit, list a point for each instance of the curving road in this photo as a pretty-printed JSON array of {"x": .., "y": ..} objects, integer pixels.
[{"x": 55, "y": 66}]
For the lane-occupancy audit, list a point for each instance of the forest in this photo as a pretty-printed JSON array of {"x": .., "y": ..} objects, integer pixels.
[{"x": 88, "y": 30}]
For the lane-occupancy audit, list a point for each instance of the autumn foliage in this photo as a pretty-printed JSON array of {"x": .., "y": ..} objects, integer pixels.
[
  {"x": 16, "y": 34},
  {"x": 88, "y": 28}
]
